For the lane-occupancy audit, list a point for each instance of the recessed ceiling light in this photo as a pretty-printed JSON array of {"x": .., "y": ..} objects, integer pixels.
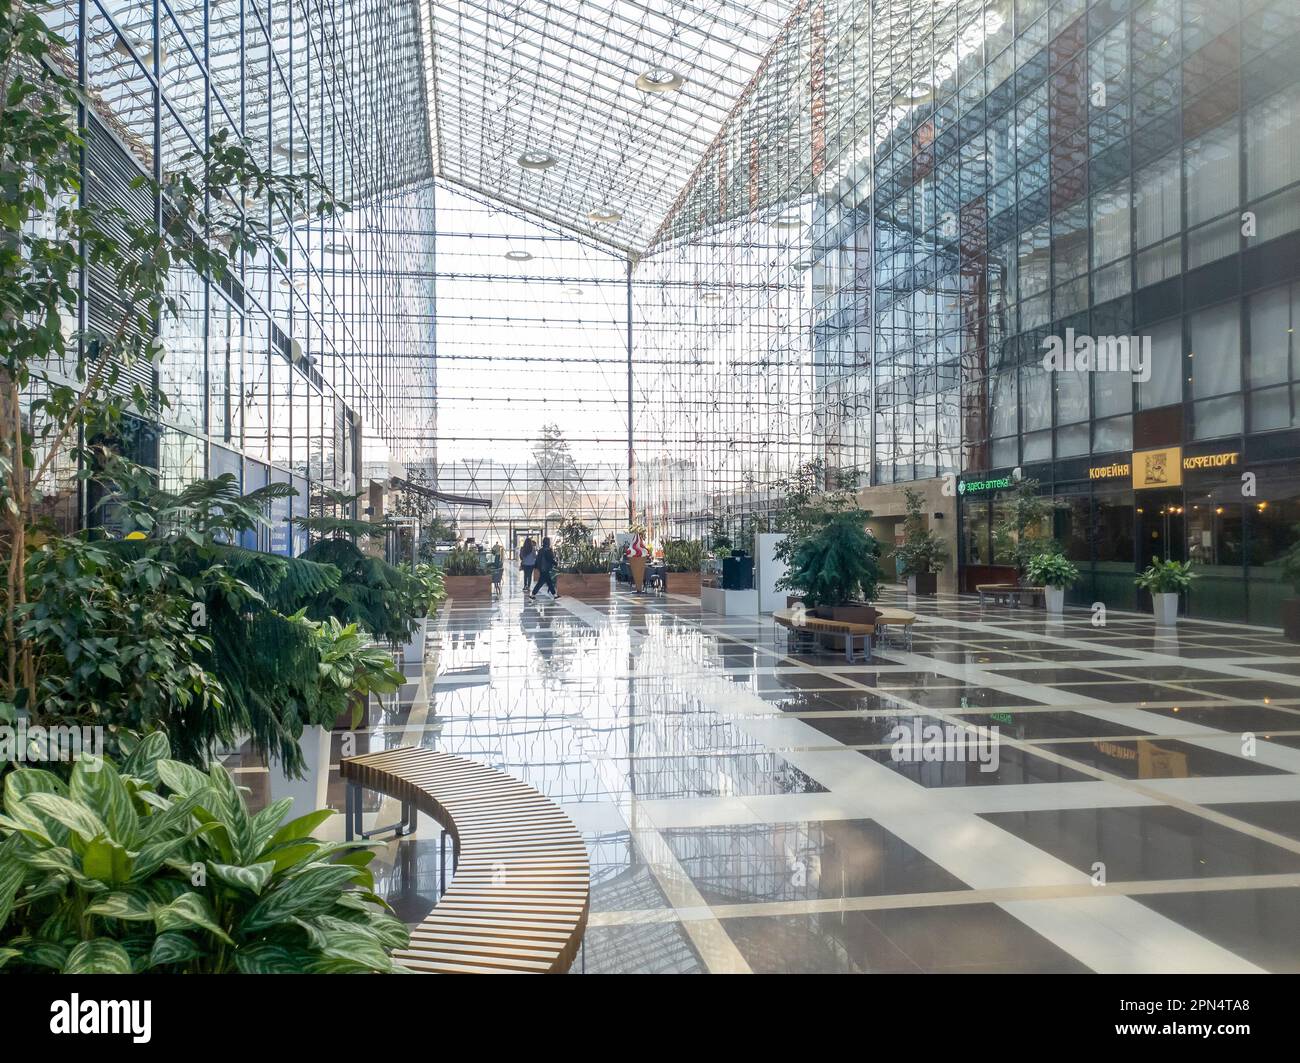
[
  {"x": 537, "y": 160},
  {"x": 788, "y": 221},
  {"x": 660, "y": 81},
  {"x": 519, "y": 256},
  {"x": 605, "y": 215},
  {"x": 711, "y": 297},
  {"x": 336, "y": 249},
  {"x": 572, "y": 291}
]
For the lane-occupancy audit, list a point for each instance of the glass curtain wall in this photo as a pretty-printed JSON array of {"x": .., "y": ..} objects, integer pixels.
[
  {"x": 912, "y": 197},
  {"x": 295, "y": 373}
]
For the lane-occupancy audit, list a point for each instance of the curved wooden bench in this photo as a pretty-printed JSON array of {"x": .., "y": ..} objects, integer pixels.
[
  {"x": 802, "y": 623},
  {"x": 520, "y": 894}
]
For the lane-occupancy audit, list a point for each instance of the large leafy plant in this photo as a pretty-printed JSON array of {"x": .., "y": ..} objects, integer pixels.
[
  {"x": 836, "y": 563},
  {"x": 114, "y": 644},
  {"x": 1052, "y": 570},
  {"x": 351, "y": 668},
  {"x": 1166, "y": 577},
  {"x": 160, "y": 867}
]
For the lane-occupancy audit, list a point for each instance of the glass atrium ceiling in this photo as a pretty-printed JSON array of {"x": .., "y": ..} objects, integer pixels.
[
  {"x": 592, "y": 114},
  {"x": 296, "y": 125}
]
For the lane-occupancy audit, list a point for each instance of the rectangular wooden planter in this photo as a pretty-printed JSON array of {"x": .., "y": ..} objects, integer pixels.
[
  {"x": 687, "y": 583},
  {"x": 468, "y": 588},
  {"x": 589, "y": 586}
]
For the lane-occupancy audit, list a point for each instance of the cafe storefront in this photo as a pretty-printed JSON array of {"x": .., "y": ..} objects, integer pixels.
[{"x": 1231, "y": 512}]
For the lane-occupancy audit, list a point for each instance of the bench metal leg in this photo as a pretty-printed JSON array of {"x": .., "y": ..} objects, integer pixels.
[{"x": 352, "y": 816}]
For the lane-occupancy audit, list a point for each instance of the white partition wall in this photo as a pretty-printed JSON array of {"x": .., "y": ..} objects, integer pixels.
[{"x": 767, "y": 570}]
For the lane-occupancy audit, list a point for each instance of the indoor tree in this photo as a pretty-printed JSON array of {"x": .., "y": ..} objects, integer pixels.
[
  {"x": 922, "y": 551},
  {"x": 1022, "y": 534},
  {"x": 64, "y": 386}
]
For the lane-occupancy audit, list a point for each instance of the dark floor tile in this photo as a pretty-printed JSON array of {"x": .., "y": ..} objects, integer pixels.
[
  {"x": 1233, "y": 718},
  {"x": 1038, "y": 725},
  {"x": 1013, "y": 766},
  {"x": 750, "y": 863},
  {"x": 1281, "y": 817},
  {"x": 1146, "y": 843},
  {"x": 867, "y": 730},
  {"x": 1262, "y": 925},
  {"x": 966, "y": 938},
  {"x": 1162, "y": 758},
  {"x": 641, "y": 948}
]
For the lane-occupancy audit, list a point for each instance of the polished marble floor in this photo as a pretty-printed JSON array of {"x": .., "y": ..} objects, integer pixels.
[{"x": 751, "y": 810}]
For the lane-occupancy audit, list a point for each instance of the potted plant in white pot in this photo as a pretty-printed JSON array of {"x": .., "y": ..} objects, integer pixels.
[
  {"x": 1166, "y": 580},
  {"x": 1056, "y": 574},
  {"x": 922, "y": 553}
]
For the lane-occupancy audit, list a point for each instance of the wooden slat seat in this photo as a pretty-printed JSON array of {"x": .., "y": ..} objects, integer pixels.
[
  {"x": 806, "y": 626},
  {"x": 1006, "y": 592},
  {"x": 519, "y": 898}
]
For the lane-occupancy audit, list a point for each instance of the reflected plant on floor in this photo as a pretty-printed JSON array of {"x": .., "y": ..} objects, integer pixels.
[{"x": 156, "y": 866}]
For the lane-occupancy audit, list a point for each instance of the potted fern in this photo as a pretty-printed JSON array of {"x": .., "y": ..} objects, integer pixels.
[
  {"x": 922, "y": 554},
  {"x": 1166, "y": 580},
  {"x": 1055, "y": 573}
]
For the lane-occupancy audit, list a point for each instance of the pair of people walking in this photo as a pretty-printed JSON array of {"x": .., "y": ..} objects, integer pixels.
[{"x": 538, "y": 564}]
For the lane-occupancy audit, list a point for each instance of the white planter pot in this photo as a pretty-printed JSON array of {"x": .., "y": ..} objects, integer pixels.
[
  {"x": 308, "y": 793},
  {"x": 1165, "y": 608},
  {"x": 1055, "y": 597}
]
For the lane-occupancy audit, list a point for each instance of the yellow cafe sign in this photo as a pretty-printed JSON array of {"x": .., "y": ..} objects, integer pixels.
[{"x": 1163, "y": 467}]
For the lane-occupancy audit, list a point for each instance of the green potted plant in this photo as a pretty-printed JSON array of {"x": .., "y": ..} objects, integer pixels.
[
  {"x": 923, "y": 553},
  {"x": 684, "y": 566},
  {"x": 836, "y": 569},
  {"x": 584, "y": 566},
  {"x": 1166, "y": 580},
  {"x": 1055, "y": 573},
  {"x": 464, "y": 576}
]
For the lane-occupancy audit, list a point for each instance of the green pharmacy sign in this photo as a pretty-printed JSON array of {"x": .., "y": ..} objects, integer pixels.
[{"x": 965, "y": 487}]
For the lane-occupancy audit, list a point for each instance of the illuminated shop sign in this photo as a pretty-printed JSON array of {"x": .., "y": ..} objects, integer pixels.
[
  {"x": 1107, "y": 472},
  {"x": 965, "y": 487},
  {"x": 1163, "y": 467},
  {"x": 1210, "y": 461}
]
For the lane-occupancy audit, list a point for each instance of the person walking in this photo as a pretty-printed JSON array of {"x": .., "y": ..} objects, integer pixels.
[
  {"x": 527, "y": 561},
  {"x": 546, "y": 569}
]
